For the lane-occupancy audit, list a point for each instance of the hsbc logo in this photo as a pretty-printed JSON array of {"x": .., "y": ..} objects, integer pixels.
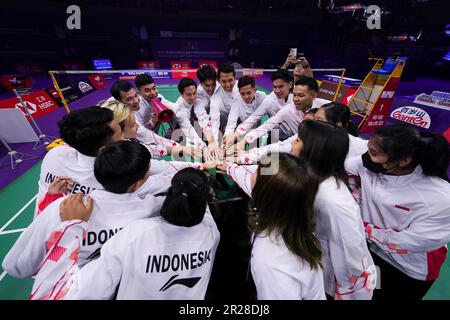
[
  {"x": 84, "y": 87},
  {"x": 30, "y": 106}
]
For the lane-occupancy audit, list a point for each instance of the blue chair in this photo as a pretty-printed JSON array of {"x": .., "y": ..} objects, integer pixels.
[{"x": 388, "y": 66}]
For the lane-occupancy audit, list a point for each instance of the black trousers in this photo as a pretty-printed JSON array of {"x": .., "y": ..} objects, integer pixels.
[{"x": 395, "y": 285}]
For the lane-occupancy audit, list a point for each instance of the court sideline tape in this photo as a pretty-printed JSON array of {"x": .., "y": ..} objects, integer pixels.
[
  {"x": 16, "y": 230},
  {"x": 17, "y": 214}
]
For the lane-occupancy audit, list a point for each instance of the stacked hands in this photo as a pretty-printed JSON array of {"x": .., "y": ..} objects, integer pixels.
[{"x": 230, "y": 151}]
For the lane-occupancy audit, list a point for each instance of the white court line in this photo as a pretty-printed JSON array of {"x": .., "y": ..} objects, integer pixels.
[
  {"x": 18, "y": 213},
  {"x": 2, "y": 275},
  {"x": 12, "y": 231}
]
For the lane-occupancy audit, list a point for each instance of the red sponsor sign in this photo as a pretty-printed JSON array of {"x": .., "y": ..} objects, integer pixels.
[
  {"x": 379, "y": 113},
  {"x": 212, "y": 63},
  {"x": 181, "y": 65},
  {"x": 348, "y": 95},
  {"x": 255, "y": 73},
  {"x": 145, "y": 64},
  {"x": 16, "y": 81},
  {"x": 98, "y": 80},
  {"x": 446, "y": 134},
  {"x": 38, "y": 103}
]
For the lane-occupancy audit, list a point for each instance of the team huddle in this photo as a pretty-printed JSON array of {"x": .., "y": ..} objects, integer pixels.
[{"x": 333, "y": 216}]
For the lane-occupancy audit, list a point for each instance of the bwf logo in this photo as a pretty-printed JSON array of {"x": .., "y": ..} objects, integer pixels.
[
  {"x": 74, "y": 20},
  {"x": 374, "y": 20}
]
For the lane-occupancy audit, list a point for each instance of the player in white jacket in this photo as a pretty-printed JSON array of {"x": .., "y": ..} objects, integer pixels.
[
  {"x": 349, "y": 272},
  {"x": 125, "y": 93},
  {"x": 145, "y": 260},
  {"x": 339, "y": 114},
  {"x": 277, "y": 99},
  {"x": 250, "y": 99},
  {"x": 222, "y": 100},
  {"x": 334, "y": 113},
  {"x": 191, "y": 112},
  {"x": 147, "y": 89},
  {"x": 286, "y": 255},
  {"x": 287, "y": 119},
  {"x": 127, "y": 122},
  {"x": 84, "y": 131},
  {"x": 405, "y": 207},
  {"x": 127, "y": 195},
  {"x": 208, "y": 84}
]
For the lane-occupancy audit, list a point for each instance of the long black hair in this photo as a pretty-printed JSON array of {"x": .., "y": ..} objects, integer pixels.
[
  {"x": 428, "y": 149},
  {"x": 325, "y": 147},
  {"x": 337, "y": 112}
]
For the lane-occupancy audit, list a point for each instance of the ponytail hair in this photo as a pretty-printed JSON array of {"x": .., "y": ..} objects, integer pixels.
[
  {"x": 428, "y": 149},
  {"x": 435, "y": 151},
  {"x": 337, "y": 112},
  {"x": 186, "y": 200}
]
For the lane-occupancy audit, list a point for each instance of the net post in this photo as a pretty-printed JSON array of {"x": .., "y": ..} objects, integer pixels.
[
  {"x": 56, "y": 85},
  {"x": 339, "y": 85}
]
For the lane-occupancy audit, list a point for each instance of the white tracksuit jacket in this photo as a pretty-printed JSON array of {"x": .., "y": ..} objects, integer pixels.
[
  {"x": 185, "y": 117},
  {"x": 349, "y": 272},
  {"x": 111, "y": 213},
  {"x": 271, "y": 105},
  {"x": 66, "y": 161},
  {"x": 148, "y": 259},
  {"x": 201, "y": 93},
  {"x": 145, "y": 112},
  {"x": 220, "y": 106},
  {"x": 278, "y": 273},
  {"x": 287, "y": 119},
  {"x": 407, "y": 219},
  {"x": 240, "y": 111}
]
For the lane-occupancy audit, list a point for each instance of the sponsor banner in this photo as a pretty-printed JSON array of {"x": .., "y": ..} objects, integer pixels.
[
  {"x": 98, "y": 81},
  {"x": 380, "y": 111},
  {"x": 347, "y": 81},
  {"x": 84, "y": 87},
  {"x": 69, "y": 92},
  {"x": 422, "y": 117},
  {"x": 446, "y": 134},
  {"x": 16, "y": 81},
  {"x": 52, "y": 93},
  {"x": 159, "y": 74},
  {"x": 130, "y": 76},
  {"x": 212, "y": 63},
  {"x": 146, "y": 64},
  {"x": 327, "y": 91},
  {"x": 38, "y": 103},
  {"x": 412, "y": 115},
  {"x": 255, "y": 73},
  {"x": 181, "y": 65},
  {"x": 348, "y": 96}
]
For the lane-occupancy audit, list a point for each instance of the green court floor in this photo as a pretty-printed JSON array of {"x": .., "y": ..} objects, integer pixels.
[{"x": 17, "y": 203}]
